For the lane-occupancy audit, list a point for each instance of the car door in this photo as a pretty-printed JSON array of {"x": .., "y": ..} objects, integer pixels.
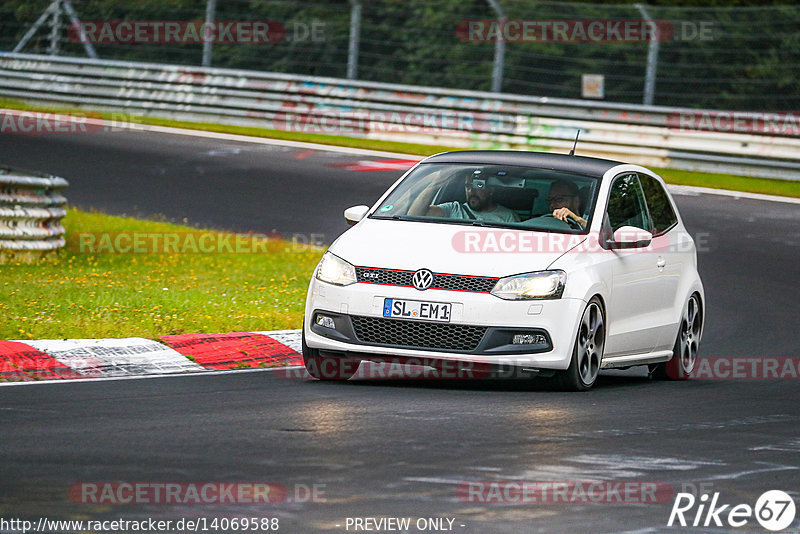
[
  {"x": 673, "y": 250},
  {"x": 636, "y": 289}
]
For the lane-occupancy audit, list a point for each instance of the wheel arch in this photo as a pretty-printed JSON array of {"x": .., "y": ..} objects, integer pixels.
[{"x": 701, "y": 300}]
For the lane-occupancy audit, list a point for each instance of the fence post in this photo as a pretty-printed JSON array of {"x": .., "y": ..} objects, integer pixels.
[
  {"x": 55, "y": 30},
  {"x": 52, "y": 12},
  {"x": 652, "y": 59},
  {"x": 499, "y": 49},
  {"x": 36, "y": 25},
  {"x": 73, "y": 17},
  {"x": 211, "y": 8},
  {"x": 355, "y": 36}
]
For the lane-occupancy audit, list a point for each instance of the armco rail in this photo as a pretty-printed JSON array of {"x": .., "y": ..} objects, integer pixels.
[
  {"x": 643, "y": 134},
  {"x": 31, "y": 208}
]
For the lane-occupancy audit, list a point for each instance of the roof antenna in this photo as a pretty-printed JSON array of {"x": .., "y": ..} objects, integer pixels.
[{"x": 572, "y": 152}]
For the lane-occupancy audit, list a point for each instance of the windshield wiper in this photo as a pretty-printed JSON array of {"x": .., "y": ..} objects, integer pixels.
[
  {"x": 392, "y": 217},
  {"x": 440, "y": 220}
]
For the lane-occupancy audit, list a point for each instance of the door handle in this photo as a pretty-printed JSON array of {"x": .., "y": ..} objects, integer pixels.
[{"x": 661, "y": 262}]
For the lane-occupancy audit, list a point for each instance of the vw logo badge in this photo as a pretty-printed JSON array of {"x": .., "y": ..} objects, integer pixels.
[{"x": 422, "y": 279}]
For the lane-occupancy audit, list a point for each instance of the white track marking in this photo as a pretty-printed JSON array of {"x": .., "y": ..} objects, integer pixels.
[
  {"x": 690, "y": 190},
  {"x": 290, "y": 338},
  {"x": 740, "y": 474}
]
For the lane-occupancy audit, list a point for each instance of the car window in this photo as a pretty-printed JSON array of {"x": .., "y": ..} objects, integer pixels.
[
  {"x": 626, "y": 204},
  {"x": 658, "y": 204},
  {"x": 492, "y": 195}
]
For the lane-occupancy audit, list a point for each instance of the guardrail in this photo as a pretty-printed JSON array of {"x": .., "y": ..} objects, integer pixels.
[
  {"x": 31, "y": 209},
  {"x": 650, "y": 135}
]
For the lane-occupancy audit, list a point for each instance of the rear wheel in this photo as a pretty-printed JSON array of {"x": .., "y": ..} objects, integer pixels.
[
  {"x": 587, "y": 355},
  {"x": 684, "y": 352},
  {"x": 326, "y": 367}
]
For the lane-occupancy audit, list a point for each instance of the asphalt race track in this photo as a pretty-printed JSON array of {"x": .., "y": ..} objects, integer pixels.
[
  {"x": 383, "y": 448},
  {"x": 217, "y": 184}
]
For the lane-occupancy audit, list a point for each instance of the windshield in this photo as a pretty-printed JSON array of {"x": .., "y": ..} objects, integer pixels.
[{"x": 494, "y": 195}]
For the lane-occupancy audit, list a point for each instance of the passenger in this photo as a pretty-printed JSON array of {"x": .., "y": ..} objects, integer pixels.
[{"x": 479, "y": 206}]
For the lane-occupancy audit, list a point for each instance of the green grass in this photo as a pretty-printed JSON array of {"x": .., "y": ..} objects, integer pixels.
[
  {"x": 71, "y": 294},
  {"x": 767, "y": 186}
]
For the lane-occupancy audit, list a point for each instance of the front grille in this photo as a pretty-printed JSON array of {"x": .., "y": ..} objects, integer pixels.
[
  {"x": 463, "y": 283},
  {"x": 384, "y": 276},
  {"x": 457, "y": 337},
  {"x": 452, "y": 282}
]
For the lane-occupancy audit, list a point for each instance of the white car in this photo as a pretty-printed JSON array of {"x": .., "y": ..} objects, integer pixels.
[{"x": 553, "y": 264}]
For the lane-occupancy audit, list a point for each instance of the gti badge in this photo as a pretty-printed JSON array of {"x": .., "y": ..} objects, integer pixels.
[{"x": 422, "y": 279}]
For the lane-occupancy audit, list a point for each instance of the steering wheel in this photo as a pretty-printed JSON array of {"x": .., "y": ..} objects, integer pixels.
[{"x": 573, "y": 224}]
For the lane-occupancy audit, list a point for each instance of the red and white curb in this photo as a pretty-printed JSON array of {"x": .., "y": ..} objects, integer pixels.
[{"x": 59, "y": 359}]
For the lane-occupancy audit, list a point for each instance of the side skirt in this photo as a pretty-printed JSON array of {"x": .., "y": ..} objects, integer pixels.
[{"x": 636, "y": 359}]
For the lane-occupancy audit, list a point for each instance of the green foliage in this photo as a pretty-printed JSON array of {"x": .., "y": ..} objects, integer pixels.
[{"x": 748, "y": 59}]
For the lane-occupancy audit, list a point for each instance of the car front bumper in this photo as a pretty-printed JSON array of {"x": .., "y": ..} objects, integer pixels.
[{"x": 555, "y": 320}]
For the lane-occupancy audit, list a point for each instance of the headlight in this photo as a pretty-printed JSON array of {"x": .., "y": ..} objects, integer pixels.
[
  {"x": 335, "y": 270},
  {"x": 538, "y": 285}
]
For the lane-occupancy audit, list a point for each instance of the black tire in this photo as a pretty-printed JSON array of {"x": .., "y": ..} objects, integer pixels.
[
  {"x": 687, "y": 343},
  {"x": 587, "y": 354},
  {"x": 327, "y": 368}
]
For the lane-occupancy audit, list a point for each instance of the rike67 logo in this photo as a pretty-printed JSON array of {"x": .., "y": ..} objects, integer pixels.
[{"x": 774, "y": 510}]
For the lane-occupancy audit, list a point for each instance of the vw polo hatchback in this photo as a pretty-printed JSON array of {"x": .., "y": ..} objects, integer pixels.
[{"x": 551, "y": 264}]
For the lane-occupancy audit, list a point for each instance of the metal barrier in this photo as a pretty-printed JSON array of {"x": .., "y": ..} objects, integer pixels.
[
  {"x": 650, "y": 135},
  {"x": 31, "y": 209}
]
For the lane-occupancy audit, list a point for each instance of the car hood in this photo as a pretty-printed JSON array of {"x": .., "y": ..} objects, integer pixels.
[{"x": 450, "y": 248}]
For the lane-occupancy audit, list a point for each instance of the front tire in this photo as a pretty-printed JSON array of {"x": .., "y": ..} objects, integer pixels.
[
  {"x": 325, "y": 367},
  {"x": 587, "y": 355},
  {"x": 684, "y": 352}
]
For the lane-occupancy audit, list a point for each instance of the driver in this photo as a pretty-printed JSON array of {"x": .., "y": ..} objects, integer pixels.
[
  {"x": 565, "y": 202},
  {"x": 480, "y": 204}
]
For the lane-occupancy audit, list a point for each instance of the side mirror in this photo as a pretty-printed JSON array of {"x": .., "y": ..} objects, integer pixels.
[
  {"x": 630, "y": 237},
  {"x": 355, "y": 214}
]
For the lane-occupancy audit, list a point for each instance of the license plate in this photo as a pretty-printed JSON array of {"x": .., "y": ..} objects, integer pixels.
[{"x": 415, "y": 309}]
